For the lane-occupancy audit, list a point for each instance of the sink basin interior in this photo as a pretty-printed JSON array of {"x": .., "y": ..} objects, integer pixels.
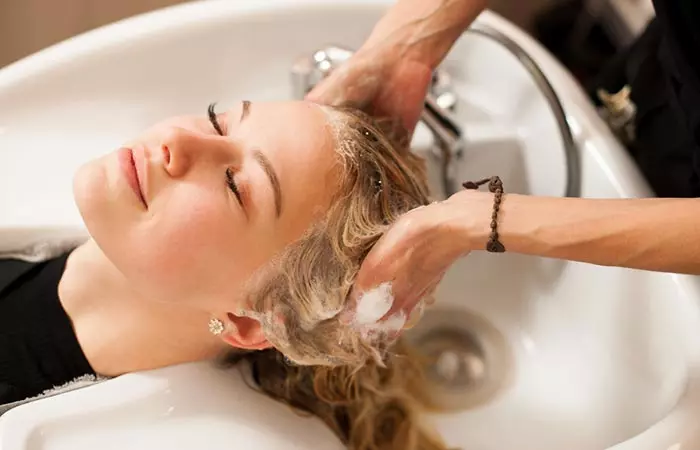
[{"x": 598, "y": 354}]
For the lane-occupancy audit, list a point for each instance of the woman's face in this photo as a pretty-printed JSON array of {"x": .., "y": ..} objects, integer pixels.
[{"x": 188, "y": 215}]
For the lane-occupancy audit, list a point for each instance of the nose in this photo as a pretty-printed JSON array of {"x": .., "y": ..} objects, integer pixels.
[{"x": 184, "y": 151}]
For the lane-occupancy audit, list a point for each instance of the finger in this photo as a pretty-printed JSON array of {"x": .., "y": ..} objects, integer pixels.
[
  {"x": 430, "y": 291},
  {"x": 348, "y": 85},
  {"x": 333, "y": 90},
  {"x": 413, "y": 285},
  {"x": 426, "y": 299},
  {"x": 373, "y": 273},
  {"x": 415, "y": 315}
]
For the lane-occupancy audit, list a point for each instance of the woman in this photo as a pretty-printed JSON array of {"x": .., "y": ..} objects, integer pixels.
[
  {"x": 390, "y": 74},
  {"x": 241, "y": 230}
]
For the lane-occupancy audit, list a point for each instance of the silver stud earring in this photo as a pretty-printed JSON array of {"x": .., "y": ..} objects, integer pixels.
[{"x": 216, "y": 327}]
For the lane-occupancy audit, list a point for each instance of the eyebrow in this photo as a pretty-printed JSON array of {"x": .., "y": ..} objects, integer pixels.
[
  {"x": 265, "y": 163},
  {"x": 274, "y": 181},
  {"x": 245, "y": 110}
]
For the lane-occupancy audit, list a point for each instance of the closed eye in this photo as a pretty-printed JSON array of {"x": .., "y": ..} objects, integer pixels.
[{"x": 231, "y": 183}]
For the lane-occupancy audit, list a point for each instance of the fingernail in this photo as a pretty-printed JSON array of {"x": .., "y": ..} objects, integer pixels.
[{"x": 415, "y": 315}]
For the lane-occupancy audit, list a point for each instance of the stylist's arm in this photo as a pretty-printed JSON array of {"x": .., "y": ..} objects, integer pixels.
[
  {"x": 650, "y": 234},
  {"x": 389, "y": 75}
]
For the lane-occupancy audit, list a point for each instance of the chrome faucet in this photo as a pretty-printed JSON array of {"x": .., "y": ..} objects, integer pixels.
[{"x": 440, "y": 103}]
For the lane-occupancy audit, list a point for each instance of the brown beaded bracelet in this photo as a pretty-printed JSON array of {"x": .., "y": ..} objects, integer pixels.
[{"x": 495, "y": 186}]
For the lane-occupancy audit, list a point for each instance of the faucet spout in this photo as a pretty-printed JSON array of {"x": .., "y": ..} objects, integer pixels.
[{"x": 449, "y": 141}]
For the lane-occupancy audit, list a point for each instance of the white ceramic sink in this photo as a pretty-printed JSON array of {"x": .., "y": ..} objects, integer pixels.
[{"x": 602, "y": 357}]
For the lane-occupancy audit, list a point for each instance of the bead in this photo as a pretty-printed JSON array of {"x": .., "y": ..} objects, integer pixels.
[{"x": 495, "y": 247}]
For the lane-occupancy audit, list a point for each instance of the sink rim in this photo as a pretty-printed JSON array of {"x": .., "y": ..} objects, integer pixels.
[{"x": 630, "y": 187}]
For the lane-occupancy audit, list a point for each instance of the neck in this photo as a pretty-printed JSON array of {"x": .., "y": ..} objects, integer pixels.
[{"x": 119, "y": 330}]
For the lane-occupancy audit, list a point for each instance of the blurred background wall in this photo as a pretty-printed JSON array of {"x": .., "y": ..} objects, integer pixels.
[{"x": 27, "y": 26}]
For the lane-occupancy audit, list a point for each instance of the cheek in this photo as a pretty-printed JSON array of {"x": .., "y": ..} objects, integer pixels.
[{"x": 191, "y": 246}]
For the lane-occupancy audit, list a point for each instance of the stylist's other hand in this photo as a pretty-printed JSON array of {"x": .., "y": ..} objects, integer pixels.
[
  {"x": 380, "y": 81},
  {"x": 413, "y": 255}
]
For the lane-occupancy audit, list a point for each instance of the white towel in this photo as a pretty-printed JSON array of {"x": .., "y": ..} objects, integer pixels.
[
  {"x": 80, "y": 382},
  {"x": 35, "y": 245}
]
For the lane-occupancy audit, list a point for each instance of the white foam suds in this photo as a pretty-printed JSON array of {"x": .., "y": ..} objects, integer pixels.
[
  {"x": 374, "y": 304},
  {"x": 394, "y": 323},
  {"x": 389, "y": 327}
]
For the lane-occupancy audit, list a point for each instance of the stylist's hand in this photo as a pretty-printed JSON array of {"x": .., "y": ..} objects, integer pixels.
[
  {"x": 413, "y": 255},
  {"x": 380, "y": 81}
]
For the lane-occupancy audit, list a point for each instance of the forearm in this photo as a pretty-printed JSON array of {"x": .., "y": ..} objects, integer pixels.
[
  {"x": 424, "y": 30},
  {"x": 650, "y": 234}
]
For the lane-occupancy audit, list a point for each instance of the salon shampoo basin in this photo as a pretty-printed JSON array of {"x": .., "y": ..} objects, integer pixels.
[{"x": 585, "y": 357}]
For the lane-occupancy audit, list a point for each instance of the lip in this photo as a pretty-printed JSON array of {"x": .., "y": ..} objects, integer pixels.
[{"x": 130, "y": 163}]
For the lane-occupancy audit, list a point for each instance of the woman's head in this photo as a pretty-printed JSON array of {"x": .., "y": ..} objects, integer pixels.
[
  {"x": 318, "y": 187},
  {"x": 260, "y": 215}
]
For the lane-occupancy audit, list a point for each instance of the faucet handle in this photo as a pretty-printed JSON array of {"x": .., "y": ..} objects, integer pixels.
[{"x": 308, "y": 71}]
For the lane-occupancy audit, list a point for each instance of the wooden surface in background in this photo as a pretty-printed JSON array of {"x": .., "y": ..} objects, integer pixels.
[{"x": 27, "y": 26}]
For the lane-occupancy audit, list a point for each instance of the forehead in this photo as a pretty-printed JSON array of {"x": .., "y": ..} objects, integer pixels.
[{"x": 299, "y": 141}]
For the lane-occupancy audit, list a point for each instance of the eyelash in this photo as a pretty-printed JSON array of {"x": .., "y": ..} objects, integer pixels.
[
  {"x": 214, "y": 120},
  {"x": 230, "y": 182}
]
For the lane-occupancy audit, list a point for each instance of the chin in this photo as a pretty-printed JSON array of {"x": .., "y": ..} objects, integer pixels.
[
  {"x": 95, "y": 199},
  {"x": 87, "y": 189}
]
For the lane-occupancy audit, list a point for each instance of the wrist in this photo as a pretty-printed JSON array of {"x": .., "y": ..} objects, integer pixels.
[
  {"x": 466, "y": 219},
  {"x": 424, "y": 31}
]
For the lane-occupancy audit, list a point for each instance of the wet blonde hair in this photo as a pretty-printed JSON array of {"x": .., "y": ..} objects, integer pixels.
[{"x": 366, "y": 394}]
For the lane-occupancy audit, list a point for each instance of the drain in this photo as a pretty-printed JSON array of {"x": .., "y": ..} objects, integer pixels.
[{"x": 465, "y": 359}]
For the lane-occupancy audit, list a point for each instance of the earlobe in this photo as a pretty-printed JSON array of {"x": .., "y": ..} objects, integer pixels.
[
  {"x": 245, "y": 332},
  {"x": 233, "y": 341}
]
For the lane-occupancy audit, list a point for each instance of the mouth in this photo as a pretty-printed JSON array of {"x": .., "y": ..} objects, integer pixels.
[{"x": 130, "y": 170}]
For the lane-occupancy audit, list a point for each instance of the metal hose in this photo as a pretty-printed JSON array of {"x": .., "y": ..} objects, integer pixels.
[{"x": 573, "y": 166}]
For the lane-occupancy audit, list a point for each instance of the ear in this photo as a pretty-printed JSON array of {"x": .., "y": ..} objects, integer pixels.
[{"x": 245, "y": 332}]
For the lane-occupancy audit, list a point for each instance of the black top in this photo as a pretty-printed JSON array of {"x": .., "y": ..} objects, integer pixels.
[
  {"x": 38, "y": 347},
  {"x": 679, "y": 54},
  {"x": 662, "y": 67}
]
